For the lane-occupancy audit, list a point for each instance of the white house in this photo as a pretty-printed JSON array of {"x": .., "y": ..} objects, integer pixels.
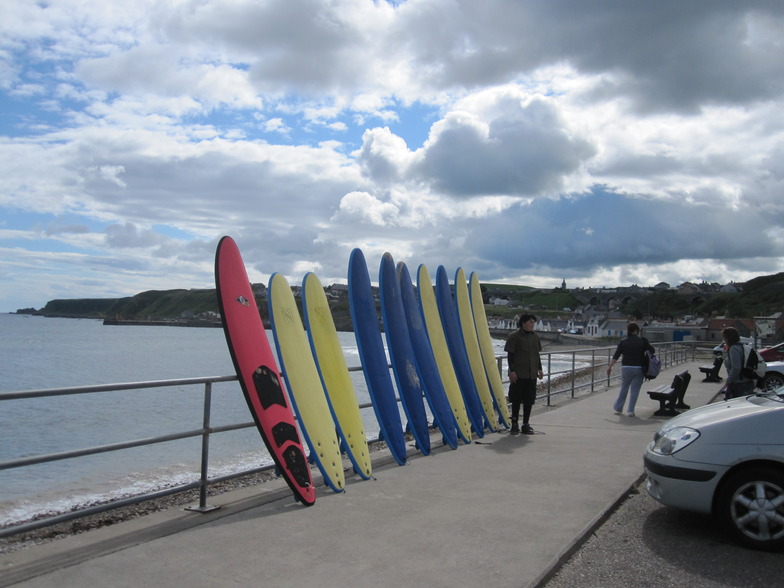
[{"x": 499, "y": 301}]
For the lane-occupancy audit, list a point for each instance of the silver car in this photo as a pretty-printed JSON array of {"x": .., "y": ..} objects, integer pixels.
[
  {"x": 726, "y": 459},
  {"x": 774, "y": 376}
]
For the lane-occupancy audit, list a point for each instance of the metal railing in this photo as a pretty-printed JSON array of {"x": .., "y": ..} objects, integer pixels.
[
  {"x": 669, "y": 353},
  {"x": 585, "y": 364}
]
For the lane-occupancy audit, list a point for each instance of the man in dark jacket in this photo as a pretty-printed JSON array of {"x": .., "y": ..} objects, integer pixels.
[{"x": 525, "y": 366}]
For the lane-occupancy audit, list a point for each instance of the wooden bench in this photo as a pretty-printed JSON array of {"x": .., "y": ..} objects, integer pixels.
[
  {"x": 712, "y": 371},
  {"x": 670, "y": 396}
]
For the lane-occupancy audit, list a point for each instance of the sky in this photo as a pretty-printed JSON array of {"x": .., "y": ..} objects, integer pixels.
[{"x": 605, "y": 143}]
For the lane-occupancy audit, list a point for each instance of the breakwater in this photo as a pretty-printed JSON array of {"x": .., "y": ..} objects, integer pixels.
[{"x": 162, "y": 323}]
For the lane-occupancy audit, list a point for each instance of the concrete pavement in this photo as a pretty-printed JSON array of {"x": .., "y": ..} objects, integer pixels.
[{"x": 503, "y": 511}]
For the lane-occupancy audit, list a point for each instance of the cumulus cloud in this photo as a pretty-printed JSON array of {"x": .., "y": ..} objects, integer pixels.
[
  {"x": 384, "y": 156},
  {"x": 365, "y": 208},
  {"x": 508, "y": 144},
  {"x": 525, "y": 150}
]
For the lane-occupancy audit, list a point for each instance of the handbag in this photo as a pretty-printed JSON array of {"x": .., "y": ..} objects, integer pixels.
[{"x": 651, "y": 365}]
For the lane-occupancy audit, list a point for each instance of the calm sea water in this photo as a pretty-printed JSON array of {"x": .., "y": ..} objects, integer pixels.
[{"x": 38, "y": 353}]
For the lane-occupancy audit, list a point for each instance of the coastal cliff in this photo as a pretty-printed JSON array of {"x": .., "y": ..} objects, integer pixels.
[{"x": 175, "y": 308}]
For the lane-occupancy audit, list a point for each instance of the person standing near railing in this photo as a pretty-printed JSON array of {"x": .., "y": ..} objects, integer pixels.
[
  {"x": 525, "y": 365},
  {"x": 633, "y": 349}
]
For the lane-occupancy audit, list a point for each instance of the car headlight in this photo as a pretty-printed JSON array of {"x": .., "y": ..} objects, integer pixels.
[{"x": 675, "y": 439}]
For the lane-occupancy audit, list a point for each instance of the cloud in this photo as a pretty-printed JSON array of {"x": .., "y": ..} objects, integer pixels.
[
  {"x": 156, "y": 71},
  {"x": 58, "y": 227},
  {"x": 128, "y": 235},
  {"x": 289, "y": 47},
  {"x": 384, "y": 156},
  {"x": 277, "y": 125},
  {"x": 662, "y": 56},
  {"x": 524, "y": 150},
  {"x": 508, "y": 144},
  {"x": 603, "y": 229},
  {"x": 364, "y": 208}
]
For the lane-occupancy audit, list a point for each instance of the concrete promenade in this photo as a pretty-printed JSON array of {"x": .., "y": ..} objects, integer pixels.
[{"x": 504, "y": 511}]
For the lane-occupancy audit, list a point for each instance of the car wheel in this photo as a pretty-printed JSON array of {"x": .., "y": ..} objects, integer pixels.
[
  {"x": 772, "y": 380},
  {"x": 751, "y": 506}
]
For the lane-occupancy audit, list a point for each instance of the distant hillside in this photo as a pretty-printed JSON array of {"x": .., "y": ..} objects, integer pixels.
[
  {"x": 164, "y": 305},
  {"x": 762, "y": 296},
  {"x": 150, "y": 305},
  {"x": 76, "y": 308}
]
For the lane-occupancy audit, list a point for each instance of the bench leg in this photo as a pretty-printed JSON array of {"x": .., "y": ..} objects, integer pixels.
[
  {"x": 666, "y": 407},
  {"x": 712, "y": 377},
  {"x": 680, "y": 403}
]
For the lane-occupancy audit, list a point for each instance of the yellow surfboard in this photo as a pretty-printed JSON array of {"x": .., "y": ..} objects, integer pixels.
[
  {"x": 331, "y": 364},
  {"x": 486, "y": 347},
  {"x": 427, "y": 302},
  {"x": 472, "y": 347},
  {"x": 304, "y": 383}
]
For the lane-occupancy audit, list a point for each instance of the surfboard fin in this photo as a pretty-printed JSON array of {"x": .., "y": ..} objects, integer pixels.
[{"x": 342, "y": 443}]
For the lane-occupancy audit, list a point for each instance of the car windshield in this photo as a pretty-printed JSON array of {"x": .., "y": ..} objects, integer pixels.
[{"x": 774, "y": 394}]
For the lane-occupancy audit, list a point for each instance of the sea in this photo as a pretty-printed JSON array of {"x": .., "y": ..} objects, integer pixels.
[{"x": 42, "y": 353}]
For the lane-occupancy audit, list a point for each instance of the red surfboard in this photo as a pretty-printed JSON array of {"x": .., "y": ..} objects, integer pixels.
[{"x": 257, "y": 371}]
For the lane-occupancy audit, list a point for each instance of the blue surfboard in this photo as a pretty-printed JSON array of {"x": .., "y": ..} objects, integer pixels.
[
  {"x": 425, "y": 361},
  {"x": 402, "y": 354},
  {"x": 364, "y": 316},
  {"x": 454, "y": 340}
]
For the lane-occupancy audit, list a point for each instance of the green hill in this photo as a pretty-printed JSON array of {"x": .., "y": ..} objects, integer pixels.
[
  {"x": 150, "y": 305},
  {"x": 761, "y": 296}
]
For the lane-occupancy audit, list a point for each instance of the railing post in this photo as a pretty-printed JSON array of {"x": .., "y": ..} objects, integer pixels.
[
  {"x": 549, "y": 376},
  {"x": 573, "y": 374},
  {"x": 593, "y": 369},
  {"x": 205, "y": 454}
]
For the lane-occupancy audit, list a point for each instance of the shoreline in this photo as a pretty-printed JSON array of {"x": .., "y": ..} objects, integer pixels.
[{"x": 548, "y": 338}]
